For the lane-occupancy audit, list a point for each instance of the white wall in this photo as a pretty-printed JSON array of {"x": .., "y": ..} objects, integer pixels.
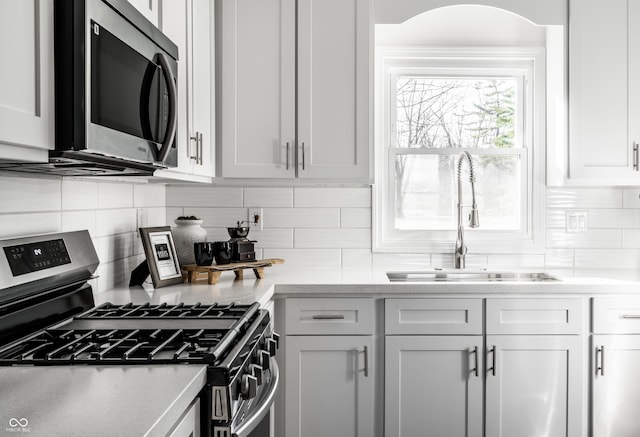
[
  {"x": 331, "y": 227},
  {"x": 32, "y": 205}
]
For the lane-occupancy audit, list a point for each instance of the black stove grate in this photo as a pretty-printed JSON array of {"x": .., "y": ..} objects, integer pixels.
[
  {"x": 198, "y": 311},
  {"x": 117, "y": 346}
]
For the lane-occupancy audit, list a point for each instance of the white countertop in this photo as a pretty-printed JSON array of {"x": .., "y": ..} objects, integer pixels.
[
  {"x": 107, "y": 401},
  {"x": 282, "y": 281}
]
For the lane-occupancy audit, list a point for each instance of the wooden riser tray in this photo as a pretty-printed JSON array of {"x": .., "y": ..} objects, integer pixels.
[{"x": 192, "y": 271}]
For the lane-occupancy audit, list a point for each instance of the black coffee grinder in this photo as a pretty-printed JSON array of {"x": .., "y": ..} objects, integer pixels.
[{"x": 240, "y": 247}]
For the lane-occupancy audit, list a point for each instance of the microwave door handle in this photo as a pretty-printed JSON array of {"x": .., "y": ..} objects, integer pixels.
[{"x": 173, "y": 102}]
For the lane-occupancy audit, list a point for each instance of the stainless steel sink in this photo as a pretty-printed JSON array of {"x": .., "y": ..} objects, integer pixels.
[{"x": 469, "y": 276}]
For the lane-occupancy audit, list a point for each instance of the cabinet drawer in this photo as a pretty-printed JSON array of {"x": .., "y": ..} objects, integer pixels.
[
  {"x": 534, "y": 316},
  {"x": 616, "y": 315},
  {"x": 321, "y": 316},
  {"x": 433, "y": 316}
]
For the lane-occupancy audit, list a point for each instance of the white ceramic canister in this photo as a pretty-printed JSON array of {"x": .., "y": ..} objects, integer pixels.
[{"x": 185, "y": 234}]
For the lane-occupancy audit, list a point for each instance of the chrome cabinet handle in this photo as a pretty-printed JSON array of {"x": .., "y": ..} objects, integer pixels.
[
  {"x": 475, "y": 368},
  {"x": 327, "y": 317},
  {"x": 287, "y": 155},
  {"x": 200, "y": 150},
  {"x": 198, "y": 139},
  {"x": 636, "y": 157},
  {"x": 493, "y": 361},
  {"x": 631, "y": 316},
  {"x": 303, "y": 156},
  {"x": 366, "y": 362},
  {"x": 600, "y": 360}
]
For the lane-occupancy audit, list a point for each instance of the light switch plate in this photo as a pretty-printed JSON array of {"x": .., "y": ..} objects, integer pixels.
[{"x": 576, "y": 221}]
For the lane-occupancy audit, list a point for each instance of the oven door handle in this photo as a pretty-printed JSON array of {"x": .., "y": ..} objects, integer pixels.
[
  {"x": 173, "y": 102},
  {"x": 263, "y": 407}
]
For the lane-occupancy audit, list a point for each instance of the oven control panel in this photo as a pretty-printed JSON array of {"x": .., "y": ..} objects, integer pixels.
[{"x": 31, "y": 257}]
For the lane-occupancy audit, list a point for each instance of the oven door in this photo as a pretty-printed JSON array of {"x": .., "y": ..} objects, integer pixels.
[{"x": 257, "y": 422}]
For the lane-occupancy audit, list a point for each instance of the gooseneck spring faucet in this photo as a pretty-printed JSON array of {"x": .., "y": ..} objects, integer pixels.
[{"x": 474, "y": 221}]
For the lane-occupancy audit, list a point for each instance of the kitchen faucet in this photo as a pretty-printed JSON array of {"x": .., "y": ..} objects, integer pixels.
[{"x": 474, "y": 222}]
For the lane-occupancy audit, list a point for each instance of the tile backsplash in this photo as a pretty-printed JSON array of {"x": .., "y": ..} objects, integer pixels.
[
  {"x": 331, "y": 227},
  {"x": 110, "y": 211},
  {"x": 308, "y": 226}
]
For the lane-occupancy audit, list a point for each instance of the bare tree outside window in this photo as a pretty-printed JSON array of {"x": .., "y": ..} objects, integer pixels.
[{"x": 454, "y": 114}]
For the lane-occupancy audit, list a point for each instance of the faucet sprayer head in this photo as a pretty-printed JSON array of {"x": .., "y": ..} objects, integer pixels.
[{"x": 474, "y": 218}]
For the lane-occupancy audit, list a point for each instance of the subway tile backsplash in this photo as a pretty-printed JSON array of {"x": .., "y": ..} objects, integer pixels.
[
  {"x": 110, "y": 211},
  {"x": 320, "y": 227},
  {"x": 335, "y": 224}
]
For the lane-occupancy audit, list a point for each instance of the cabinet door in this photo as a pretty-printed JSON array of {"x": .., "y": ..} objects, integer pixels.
[
  {"x": 256, "y": 87},
  {"x": 334, "y": 71},
  {"x": 26, "y": 94},
  {"x": 433, "y": 386},
  {"x": 603, "y": 56},
  {"x": 148, "y": 8},
  {"x": 200, "y": 85},
  {"x": 534, "y": 386},
  {"x": 616, "y": 392},
  {"x": 188, "y": 24},
  {"x": 175, "y": 24},
  {"x": 329, "y": 386}
]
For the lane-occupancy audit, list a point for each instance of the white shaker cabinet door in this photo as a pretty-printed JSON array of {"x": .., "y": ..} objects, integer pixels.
[
  {"x": 534, "y": 386},
  {"x": 26, "y": 78},
  {"x": 329, "y": 386},
  {"x": 616, "y": 391},
  {"x": 256, "y": 87},
  {"x": 334, "y": 88},
  {"x": 433, "y": 386},
  {"x": 604, "y": 101}
]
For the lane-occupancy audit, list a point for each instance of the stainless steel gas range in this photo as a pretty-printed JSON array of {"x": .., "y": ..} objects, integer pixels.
[{"x": 44, "y": 292}]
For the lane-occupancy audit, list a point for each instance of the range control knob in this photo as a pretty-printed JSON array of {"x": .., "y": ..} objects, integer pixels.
[
  {"x": 264, "y": 359},
  {"x": 249, "y": 387},
  {"x": 256, "y": 371},
  {"x": 276, "y": 337},
  {"x": 271, "y": 346}
]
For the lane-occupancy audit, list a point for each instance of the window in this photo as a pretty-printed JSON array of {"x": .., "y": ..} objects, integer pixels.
[{"x": 435, "y": 105}]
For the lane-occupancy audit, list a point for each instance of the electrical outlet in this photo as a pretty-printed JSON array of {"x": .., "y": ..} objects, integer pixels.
[
  {"x": 576, "y": 221},
  {"x": 255, "y": 218}
]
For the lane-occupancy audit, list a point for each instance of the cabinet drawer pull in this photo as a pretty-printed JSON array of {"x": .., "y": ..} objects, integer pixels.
[
  {"x": 199, "y": 143},
  {"x": 631, "y": 316},
  {"x": 366, "y": 362},
  {"x": 600, "y": 360},
  {"x": 493, "y": 361},
  {"x": 636, "y": 157},
  {"x": 303, "y": 156},
  {"x": 475, "y": 354},
  {"x": 327, "y": 317},
  {"x": 287, "y": 155}
]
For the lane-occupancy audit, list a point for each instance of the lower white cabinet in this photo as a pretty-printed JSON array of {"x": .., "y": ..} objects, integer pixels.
[
  {"x": 433, "y": 386},
  {"x": 534, "y": 386},
  {"x": 329, "y": 386},
  {"x": 616, "y": 391},
  {"x": 615, "y": 367}
]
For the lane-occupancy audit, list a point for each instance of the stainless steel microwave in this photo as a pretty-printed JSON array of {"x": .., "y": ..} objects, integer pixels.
[{"x": 115, "y": 90}]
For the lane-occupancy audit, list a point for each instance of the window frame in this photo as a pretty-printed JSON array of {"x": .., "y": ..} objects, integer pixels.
[{"x": 525, "y": 63}]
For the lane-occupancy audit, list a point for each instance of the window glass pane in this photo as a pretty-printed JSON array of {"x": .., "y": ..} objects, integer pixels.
[
  {"x": 426, "y": 191},
  {"x": 434, "y": 112}
]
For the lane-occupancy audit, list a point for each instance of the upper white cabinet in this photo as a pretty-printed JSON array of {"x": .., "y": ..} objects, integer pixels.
[
  {"x": 189, "y": 24},
  {"x": 285, "y": 113},
  {"x": 26, "y": 93},
  {"x": 148, "y": 8},
  {"x": 604, "y": 60}
]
